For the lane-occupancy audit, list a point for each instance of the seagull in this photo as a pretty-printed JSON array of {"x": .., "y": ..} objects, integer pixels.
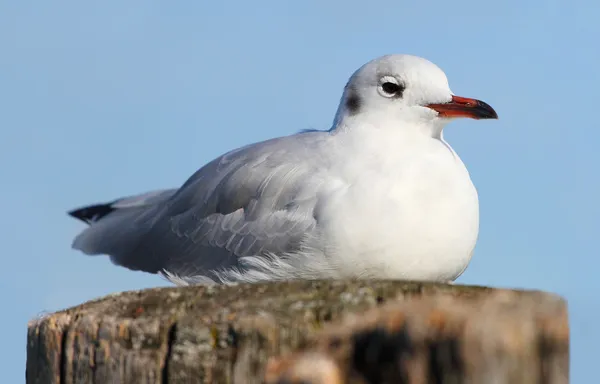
[{"x": 379, "y": 195}]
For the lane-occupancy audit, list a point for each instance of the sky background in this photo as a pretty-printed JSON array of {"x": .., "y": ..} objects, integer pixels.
[{"x": 113, "y": 98}]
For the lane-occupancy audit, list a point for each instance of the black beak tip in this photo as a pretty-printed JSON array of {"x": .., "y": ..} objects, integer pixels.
[{"x": 485, "y": 111}]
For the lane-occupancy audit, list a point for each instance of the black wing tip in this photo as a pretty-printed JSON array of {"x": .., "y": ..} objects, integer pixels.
[{"x": 91, "y": 213}]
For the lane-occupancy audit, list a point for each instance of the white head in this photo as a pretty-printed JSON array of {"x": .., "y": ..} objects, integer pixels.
[{"x": 407, "y": 89}]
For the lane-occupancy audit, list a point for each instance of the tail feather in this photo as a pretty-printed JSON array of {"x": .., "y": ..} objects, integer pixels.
[
  {"x": 92, "y": 213},
  {"x": 115, "y": 228}
]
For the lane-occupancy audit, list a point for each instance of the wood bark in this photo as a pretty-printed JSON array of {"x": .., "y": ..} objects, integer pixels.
[{"x": 306, "y": 332}]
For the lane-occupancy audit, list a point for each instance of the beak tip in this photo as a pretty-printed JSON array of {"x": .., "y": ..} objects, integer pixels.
[{"x": 486, "y": 111}]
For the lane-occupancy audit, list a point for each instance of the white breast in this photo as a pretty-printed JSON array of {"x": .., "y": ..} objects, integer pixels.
[{"x": 409, "y": 213}]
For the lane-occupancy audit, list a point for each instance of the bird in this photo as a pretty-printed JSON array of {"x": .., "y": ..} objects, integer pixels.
[{"x": 378, "y": 195}]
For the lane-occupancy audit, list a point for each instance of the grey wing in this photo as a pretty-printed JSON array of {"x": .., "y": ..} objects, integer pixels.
[{"x": 254, "y": 201}]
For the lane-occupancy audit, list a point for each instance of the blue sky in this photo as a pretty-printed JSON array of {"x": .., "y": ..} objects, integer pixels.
[{"x": 100, "y": 101}]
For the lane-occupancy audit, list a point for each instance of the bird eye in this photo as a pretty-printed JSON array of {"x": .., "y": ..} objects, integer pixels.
[{"x": 389, "y": 87}]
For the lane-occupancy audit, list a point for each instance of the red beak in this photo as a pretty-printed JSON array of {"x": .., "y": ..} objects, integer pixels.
[{"x": 465, "y": 107}]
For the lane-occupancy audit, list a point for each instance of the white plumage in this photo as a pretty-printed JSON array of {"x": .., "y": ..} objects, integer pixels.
[{"x": 379, "y": 195}]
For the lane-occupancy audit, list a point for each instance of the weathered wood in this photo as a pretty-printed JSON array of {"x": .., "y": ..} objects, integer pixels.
[{"x": 305, "y": 331}]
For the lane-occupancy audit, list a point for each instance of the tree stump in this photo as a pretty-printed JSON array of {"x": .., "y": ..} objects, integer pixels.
[{"x": 306, "y": 332}]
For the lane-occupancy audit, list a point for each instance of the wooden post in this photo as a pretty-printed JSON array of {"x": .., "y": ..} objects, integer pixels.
[{"x": 306, "y": 332}]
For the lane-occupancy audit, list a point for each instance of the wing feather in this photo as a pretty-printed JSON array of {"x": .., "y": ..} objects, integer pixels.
[{"x": 255, "y": 201}]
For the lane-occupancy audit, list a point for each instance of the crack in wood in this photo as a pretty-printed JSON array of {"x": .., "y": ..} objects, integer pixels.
[{"x": 171, "y": 334}]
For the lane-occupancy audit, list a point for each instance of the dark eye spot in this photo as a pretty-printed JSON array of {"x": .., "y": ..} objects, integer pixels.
[
  {"x": 392, "y": 88},
  {"x": 353, "y": 102}
]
